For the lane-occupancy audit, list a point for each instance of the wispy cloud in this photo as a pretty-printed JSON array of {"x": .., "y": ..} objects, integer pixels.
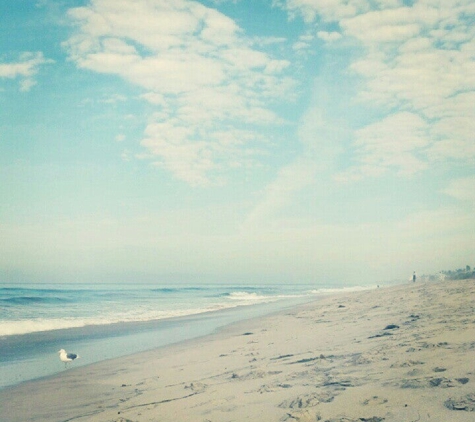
[
  {"x": 319, "y": 140},
  {"x": 328, "y": 10},
  {"x": 329, "y": 36},
  {"x": 196, "y": 65},
  {"x": 462, "y": 189},
  {"x": 336, "y": 137},
  {"x": 417, "y": 62},
  {"x": 392, "y": 143},
  {"x": 24, "y": 69}
]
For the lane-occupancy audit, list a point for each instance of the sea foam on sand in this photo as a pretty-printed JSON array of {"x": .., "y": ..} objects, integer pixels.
[{"x": 402, "y": 353}]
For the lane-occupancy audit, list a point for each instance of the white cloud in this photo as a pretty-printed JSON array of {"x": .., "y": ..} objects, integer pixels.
[
  {"x": 462, "y": 189},
  {"x": 304, "y": 43},
  {"x": 174, "y": 148},
  {"x": 291, "y": 179},
  {"x": 418, "y": 58},
  {"x": 125, "y": 155},
  {"x": 194, "y": 63},
  {"x": 389, "y": 25},
  {"x": 320, "y": 142},
  {"x": 328, "y": 10},
  {"x": 386, "y": 33},
  {"x": 393, "y": 143},
  {"x": 114, "y": 99},
  {"x": 25, "y": 69},
  {"x": 154, "y": 98},
  {"x": 329, "y": 36},
  {"x": 435, "y": 79}
]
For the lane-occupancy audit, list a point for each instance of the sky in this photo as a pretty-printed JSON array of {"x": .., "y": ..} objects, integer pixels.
[{"x": 236, "y": 141}]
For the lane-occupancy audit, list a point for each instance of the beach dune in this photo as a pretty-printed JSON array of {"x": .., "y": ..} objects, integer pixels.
[{"x": 400, "y": 353}]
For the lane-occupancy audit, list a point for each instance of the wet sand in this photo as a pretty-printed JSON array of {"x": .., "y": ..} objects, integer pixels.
[{"x": 402, "y": 353}]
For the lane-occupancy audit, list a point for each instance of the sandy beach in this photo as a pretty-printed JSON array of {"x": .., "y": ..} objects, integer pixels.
[{"x": 401, "y": 353}]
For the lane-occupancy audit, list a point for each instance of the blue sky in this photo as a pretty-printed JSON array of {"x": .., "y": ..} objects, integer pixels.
[{"x": 236, "y": 141}]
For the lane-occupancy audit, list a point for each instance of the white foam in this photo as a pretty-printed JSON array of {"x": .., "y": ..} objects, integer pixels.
[
  {"x": 341, "y": 290},
  {"x": 20, "y": 327},
  {"x": 245, "y": 296},
  {"x": 147, "y": 313},
  {"x": 9, "y": 328}
]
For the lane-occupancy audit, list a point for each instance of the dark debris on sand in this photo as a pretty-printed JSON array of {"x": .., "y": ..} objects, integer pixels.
[
  {"x": 391, "y": 327},
  {"x": 371, "y": 419},
  {"x": 465, "y": 403}
]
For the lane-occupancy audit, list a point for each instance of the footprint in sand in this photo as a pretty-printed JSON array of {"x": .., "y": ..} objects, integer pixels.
[
  {"x": 465, "y": 403},
  {"x": 339, "y": 384},
  {"x": 345, "y": 419},
  {"x": 308, "y": 400},
  {"x": 254, "y": 375},
  {"x": 433, "y": 382},
  {"x": 302, "y": 416},
  {"x": 196, "y": 387},
  {"x": 271, "y": 388},
  {"x": 375, "y": 400},
  {"x": 407, "y": 364}
]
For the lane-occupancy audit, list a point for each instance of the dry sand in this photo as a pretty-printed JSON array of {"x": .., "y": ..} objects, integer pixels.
[{"x": 403, "y": 353}]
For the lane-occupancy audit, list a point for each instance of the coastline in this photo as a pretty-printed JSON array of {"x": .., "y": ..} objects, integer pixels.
[
  {"x": 27, "y": 357},
  {"x": 335, "y": 359}
]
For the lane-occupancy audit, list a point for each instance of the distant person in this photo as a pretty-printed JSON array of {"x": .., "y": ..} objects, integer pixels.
[{"x": 414, "y": 277}]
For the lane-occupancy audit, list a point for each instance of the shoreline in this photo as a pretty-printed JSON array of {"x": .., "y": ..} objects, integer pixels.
[
  {"x": 35, "y": 353},
  {"x": 334, "y": 359}
]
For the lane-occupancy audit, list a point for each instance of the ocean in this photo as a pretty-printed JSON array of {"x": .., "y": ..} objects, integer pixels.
[{"x": 105, "y": 321}]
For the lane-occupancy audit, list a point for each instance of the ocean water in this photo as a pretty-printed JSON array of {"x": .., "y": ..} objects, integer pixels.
[{"x": 104, "y": 321}]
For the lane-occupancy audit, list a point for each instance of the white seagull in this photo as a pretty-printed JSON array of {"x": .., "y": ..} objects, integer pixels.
[{"x": 67, "y": 357}]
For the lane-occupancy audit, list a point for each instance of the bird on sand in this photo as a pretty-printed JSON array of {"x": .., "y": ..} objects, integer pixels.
[{"x": 67, "y": 357}]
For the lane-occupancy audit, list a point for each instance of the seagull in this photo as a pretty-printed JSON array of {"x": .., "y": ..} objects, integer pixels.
[{"x": 67, "y": 357}]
